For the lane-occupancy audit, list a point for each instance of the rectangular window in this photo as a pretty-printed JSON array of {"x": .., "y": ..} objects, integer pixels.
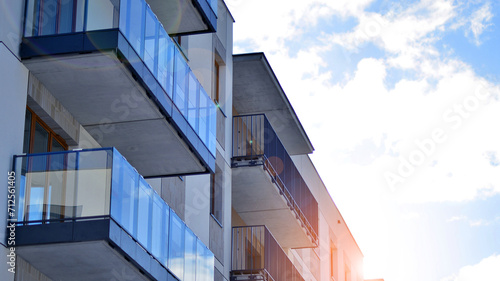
[
  {"x": 216, "y": 183},
  {"x": 217, "y": 82},
  {"x": 347, "y": 273},
  {"x": 38, "y": 137}
]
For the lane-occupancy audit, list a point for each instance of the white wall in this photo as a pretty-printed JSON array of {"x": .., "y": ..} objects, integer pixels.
[
  {"x": 14, "y": 81},
  {"x": 332, "y": 226},
  {"x": 11, "y": 22}
]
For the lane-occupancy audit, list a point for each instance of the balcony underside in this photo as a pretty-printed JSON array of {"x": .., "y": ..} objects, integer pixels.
[
  {"x": 185, "y": 16},
  {"x": 119, "y": 104},
  {"x": 80, "y": 262},
  {"x": 85, "y": 251},
  {"x": 258, "y": 202}
]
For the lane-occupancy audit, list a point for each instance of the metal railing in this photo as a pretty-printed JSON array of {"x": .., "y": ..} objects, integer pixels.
[
  {"x": 257, "y": 256},
  {"x": 256, "y": 143}
]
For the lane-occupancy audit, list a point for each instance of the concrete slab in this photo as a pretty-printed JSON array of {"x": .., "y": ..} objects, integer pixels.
[
  {"x": 102, "y": 95},
  {"x": 81, "y": 261},
  {"x": 257, "y": 201}
]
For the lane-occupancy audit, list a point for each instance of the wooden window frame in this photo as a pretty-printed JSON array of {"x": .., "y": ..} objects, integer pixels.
[{"x": 52, "y": 135}]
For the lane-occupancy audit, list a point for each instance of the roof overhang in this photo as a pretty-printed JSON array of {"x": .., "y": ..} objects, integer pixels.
[{"x": 257, "y": 90}]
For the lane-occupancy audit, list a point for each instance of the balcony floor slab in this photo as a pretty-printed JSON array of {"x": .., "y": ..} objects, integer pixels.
[
  {"x": 103, "y": 95},
  {"x": 71, "y": 261}
]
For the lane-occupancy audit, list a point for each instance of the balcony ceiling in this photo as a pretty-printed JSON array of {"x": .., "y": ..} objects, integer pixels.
[
  {"x": 83, "y": 261},
  {"x": 100, "y": 92},
  {"x": 257, "y": 90},
  {"x": 257, "y": 201},
  {"x": 180, "y": 17}
]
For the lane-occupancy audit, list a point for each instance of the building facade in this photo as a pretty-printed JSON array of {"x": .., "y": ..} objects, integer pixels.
[{"x": 138, "y": 147}]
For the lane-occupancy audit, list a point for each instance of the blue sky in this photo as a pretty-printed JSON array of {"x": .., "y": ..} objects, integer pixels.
[{"x": 408, "y": 94}]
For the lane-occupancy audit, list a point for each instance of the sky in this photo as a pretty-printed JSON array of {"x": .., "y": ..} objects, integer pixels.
[{"x": 401, "y": 102}]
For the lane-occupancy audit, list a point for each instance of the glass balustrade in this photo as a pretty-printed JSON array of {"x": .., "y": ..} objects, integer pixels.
[{"x": 58, "y": 187}]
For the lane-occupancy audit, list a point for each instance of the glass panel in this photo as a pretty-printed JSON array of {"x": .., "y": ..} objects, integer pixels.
[
  {"x": 212, "y": 128},
  {"x": 65, "y": 185},
  {"x": 200, "y": 269},
  {"x": 66, "y": 16},
  {"x": 150, "y": 40},
  {"x": 124, "y": 17},
  {"x": 181, "y": 83},
  {"x": 56, "y": 146},
  {"x": 157, "y": 227},
  {"x": 190, "y": 258},
  {"x": 192, "y": 113},
  {"x": 41, "y": 141},
  {"x": 125, "y": 193},
  {"x": 135, "y": 24},
  {"x": 93, "y": 183},
  {"x": 165, "y": 62},
  {"x": 48, "y": 17},
  {"x": 101, "y": 14},
  {"x": 35, "y": 205},
  {"x": 208, "y": 258},
  {"x": 80, "y": 15},
  {"x": 203, "y": 126},
  {"x": 214, "y": 5},
  {"x": 144, "y": 214},
  {"x": 176, "y": 246},
  {"x": 27, "y": 132},
  {"x": 31, "y": 18}
]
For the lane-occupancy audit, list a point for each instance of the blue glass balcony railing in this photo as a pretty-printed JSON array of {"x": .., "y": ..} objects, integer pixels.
[
  {"x": 139, "y": 25},
  {"x": 99, "y": 183},
  {"x": 255, "y": 253},
  {"x": 254, "y": 139}
]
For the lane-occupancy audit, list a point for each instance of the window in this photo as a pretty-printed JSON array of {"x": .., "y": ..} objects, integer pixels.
[
  {"x": 216, "y": 182},
  {"x": 45, "y": 192},
  {"x": 347, "y": 273},
  {"x": 48, "y": 17},
  {"x": 333, "y": 262},
  {"x": 217, "y": 82},
  {"x": 38, "y": 137}
]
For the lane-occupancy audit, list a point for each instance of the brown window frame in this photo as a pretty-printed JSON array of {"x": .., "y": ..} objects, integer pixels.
[{"x": 52, "y": 135}]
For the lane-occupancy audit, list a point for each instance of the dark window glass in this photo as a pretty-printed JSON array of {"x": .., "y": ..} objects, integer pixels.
[
  {"x": 27, "y": 132},
  {"x": 56, "y": 146},
  {"x": 41, "y": 142},
  {"x": 216, "y": 194}
]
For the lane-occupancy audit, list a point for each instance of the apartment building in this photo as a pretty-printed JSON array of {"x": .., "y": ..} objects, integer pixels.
[
  {"x": 285, "y": 224},
  {"x": 128, "y": 153}
]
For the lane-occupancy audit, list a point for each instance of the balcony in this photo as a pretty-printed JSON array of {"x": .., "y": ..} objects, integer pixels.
[
  {"x": 267, "y": 187},
  {"x": 257, "y": 256},
  {"x": 88, "y": 215},
  {"x": 113, "y": 66},
  {"x": 182, "y": 17}
]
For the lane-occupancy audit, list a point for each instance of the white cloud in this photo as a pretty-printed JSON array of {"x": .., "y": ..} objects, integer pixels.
[
  {"x": 456, "y": 218},
  {"x": 406, "y": 35},
  {"x": 486, "y": 270},
  {"x": 479, "y": 21},
  {"x": 473, "y": 222},
  {"x": 272, "y": 22},
  {"x": 361, "y": 126},
  {"x": 410, "y": 216}
]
